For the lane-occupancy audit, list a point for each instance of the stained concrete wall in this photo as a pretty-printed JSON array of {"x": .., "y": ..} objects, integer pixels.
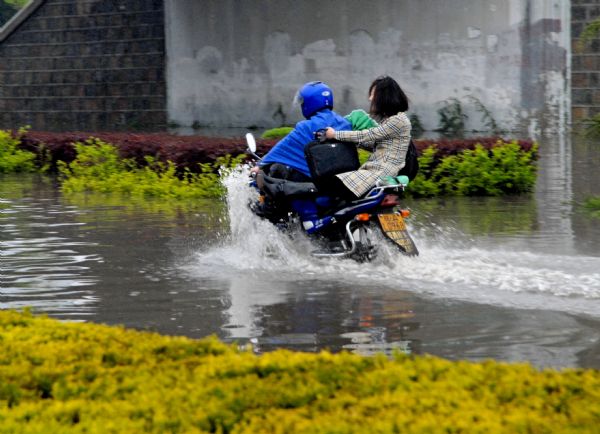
[{"x": 239, "y": 63}]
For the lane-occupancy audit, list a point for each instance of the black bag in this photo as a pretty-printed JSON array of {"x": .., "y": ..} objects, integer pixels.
[
  {"x": 411, "y": 166},
  {"x": 330, "y": 158}
]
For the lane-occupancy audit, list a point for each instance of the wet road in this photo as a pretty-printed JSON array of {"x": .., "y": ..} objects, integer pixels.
[{"x": 512, "y": 278}]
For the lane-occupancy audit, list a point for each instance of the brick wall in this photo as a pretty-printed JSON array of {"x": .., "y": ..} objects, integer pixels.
[
  {"x": 85, "y": 65},
  {"x": 585, "y": 63}
]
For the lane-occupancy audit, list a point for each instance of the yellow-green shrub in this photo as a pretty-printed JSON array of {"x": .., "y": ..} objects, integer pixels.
[
  {"x": 99, "y": 168},
  {"x": 505, "y": 168},
  {"x": 60, "y": 377},
  {"x": 276, "y": 133},
  {"x": 592, "y": 206},
  {"x": 13, "y": 159}
]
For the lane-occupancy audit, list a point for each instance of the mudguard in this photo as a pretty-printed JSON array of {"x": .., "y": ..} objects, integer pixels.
[{"x": 393, "y": 227}]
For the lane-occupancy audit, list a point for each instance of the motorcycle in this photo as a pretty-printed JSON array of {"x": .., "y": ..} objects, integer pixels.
[{"x": 339, "y": 228}]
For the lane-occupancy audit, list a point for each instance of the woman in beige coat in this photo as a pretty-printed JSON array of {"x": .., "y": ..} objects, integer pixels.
[{"x": 388, "y": 141}]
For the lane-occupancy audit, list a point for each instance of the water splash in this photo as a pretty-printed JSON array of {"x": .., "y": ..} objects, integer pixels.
[
  {"x": 451, "y": 265},
  {"x": 253, "y": 243}
]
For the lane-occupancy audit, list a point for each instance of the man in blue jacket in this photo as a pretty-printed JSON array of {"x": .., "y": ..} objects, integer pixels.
[{"x": 286, "y": 159}]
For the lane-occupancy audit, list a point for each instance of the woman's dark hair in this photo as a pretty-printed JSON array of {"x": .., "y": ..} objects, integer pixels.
[{"x": 389, "y": 98}]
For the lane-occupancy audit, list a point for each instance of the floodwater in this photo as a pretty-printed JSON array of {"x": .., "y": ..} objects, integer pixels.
[{"x": 511, "y": 278}]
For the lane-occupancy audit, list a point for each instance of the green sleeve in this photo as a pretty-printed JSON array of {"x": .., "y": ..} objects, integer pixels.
[{"x": 360, "y": 120}]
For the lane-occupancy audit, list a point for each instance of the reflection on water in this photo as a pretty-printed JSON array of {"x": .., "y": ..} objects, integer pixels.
[
  {"x": 514, "y": 278},
  {"x": 44, "y": 264}
]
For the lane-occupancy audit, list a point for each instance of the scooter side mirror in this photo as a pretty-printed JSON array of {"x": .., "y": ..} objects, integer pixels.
[{"x": 251, "y": 142}]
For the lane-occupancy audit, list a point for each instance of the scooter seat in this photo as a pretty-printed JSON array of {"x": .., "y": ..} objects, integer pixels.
[{"x": 278, "y": 188}]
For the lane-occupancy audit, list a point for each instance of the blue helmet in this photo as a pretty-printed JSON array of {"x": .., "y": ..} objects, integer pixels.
[{"x": 314, "y": 96}]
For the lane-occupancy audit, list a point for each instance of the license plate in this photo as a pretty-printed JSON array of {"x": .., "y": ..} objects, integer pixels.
[{"x": 391, "y": 222}]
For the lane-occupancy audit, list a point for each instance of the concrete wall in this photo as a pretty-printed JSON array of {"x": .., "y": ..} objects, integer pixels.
[
  {"x": 239, "y": 63},
  {"x": 84, "y": 65}
]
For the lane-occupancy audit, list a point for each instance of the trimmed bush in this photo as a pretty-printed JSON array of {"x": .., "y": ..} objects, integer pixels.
[
  {"x": 185, "y": 152},
  {"x": 13, "y": 159},
  {"x": 189, "y": 151},
  {"x": 446, "y": 147},
  {"x": 473, "y": 168},
  {"x": 99, "y": 168},
  {"x": 505, "y": 168},
  {"x": 592, "y": 206},
  {"x": 276, "y": 133},
  {"x": 58, "y": 377},
  {"x": 477, "y": 166}
]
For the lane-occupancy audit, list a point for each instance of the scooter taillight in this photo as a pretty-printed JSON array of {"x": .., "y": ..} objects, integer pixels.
[{"x": 390, "y": 200}]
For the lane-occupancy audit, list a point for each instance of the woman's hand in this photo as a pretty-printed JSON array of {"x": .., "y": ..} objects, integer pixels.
[{"x": 330, "y": 133}]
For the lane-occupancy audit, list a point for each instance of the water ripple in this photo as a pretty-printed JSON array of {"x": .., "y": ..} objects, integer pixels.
[{"x": 41, "y": 265}]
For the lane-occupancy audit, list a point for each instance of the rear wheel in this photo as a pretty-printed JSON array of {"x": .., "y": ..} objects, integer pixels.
[{"x": 366, "y": 244}]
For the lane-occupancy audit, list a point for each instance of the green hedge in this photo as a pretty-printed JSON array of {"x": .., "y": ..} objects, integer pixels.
[
  {"x": 276, "y": 133},
  {"x": 490, "y": 168},
  {"x": 13, "y": 159},
  {"x": 592, "y": 206},
  {"x": 506, "y": 168},
  {"x": 99, "y": 168},
  {"x": 60, "y": 377}
]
